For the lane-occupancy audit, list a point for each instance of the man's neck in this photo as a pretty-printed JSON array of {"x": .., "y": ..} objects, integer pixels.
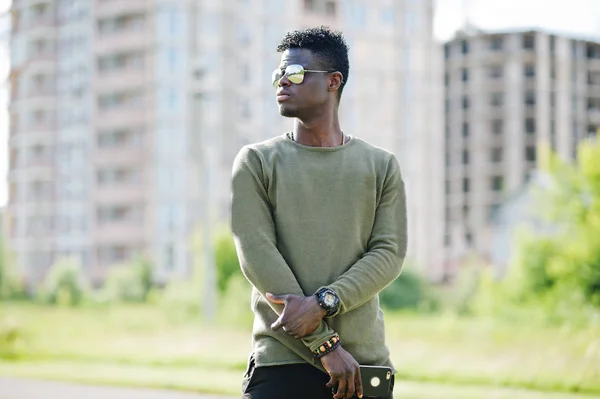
[{"x": 321, "y": 132}]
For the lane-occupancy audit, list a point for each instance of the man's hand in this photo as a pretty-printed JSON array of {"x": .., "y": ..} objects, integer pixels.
[
  {"x": 301, "y": 314},
  {"x": 344, "y": 370}
]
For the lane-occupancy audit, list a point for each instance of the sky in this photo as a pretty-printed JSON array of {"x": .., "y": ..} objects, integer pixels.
[{"x": 575, "y": 17}]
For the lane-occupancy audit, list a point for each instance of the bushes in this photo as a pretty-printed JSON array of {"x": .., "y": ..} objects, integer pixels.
[
  {"x": 226, "y": 259},
  {"x": 64, "y": 284},
  {"x": 12, "y": 339},
  {"x": 11, "y": 283},
  {"x": 130, "y": 282}
]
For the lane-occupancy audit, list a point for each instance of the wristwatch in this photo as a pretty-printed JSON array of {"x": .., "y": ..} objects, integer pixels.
[{"x": 328, "y": 300}]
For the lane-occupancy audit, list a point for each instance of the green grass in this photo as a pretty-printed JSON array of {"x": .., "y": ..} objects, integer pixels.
[{"x": 146, "y": 346}]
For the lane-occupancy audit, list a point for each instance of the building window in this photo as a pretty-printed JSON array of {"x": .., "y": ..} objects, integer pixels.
[
  {"x": 309, "y": 5},
  {"x": 529, "y": 42},
  {"x": 552, "y": 44},
  {"x": 530, "y": 153},
  {"x": 497, "y": 126},
  {"x": 492, "y": 209},
  {"x": 465, "y": 129},
  {"x": 169, "y": 257},
  {"x": 530, "y": 125},
  {"x": 529, "y": 70},
  {"x": 447, "y": 50},
  {"x": 465, "y": 75},
  {"x": 495, "y": 71},
  {"x": 496, "y": 99},
  {"x": 466, "y": 185},
  {"x": 465, "y": 101},
  {"x": 388, "y": 16},
  {"x": 447, "y": 187},
  {"x": 593, "y": 51},
  {"x": 464, "y": 46},
  {"x": 119, "y": 138},
  {"x": 447, "y": 159},
  {"x": 465, "y": 157},
  {"x": 497, "y": 183},
  {"x": 496, "y": 43},
  {"x": 330, "y": 8},
  {"x": 465, "y": 210},
  {"x": 497, "y": 155},
  {"x": 594, "y": 78},
  {"x": 530, "y": 98},
  {"x": 446, "y": 79},
  {"x": 244, "y": 108},
  {"x": 469, "y": 238}
]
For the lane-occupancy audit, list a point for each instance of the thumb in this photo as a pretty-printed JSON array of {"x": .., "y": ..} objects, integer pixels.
[
  {"x": 278, "y": 324},
  {"x": 280, "y": 299}
]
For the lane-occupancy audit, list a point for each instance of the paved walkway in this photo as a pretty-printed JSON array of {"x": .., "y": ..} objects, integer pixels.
[{"x": 16, "y": 388}]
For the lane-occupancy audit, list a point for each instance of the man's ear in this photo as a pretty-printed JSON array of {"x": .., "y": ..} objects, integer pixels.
[{"x": 335, "y": 81}]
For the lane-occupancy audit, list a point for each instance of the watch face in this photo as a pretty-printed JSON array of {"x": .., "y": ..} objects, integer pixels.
[{"x": 329, "y": 299}]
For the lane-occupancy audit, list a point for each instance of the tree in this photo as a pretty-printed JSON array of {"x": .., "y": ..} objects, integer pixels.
[
  {"x": 226, "y": 259},
  {"x": 64, "y": 284},
  {"x": 561, "y": 271}
]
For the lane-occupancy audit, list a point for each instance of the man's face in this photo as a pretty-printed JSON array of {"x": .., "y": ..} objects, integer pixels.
[{"x": 301, "y": 100}]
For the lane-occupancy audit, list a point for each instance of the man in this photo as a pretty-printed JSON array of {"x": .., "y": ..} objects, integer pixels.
[{"x": 319, "y": 221}]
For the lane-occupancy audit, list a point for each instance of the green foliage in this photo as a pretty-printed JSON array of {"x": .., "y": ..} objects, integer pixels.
[
  {"x": 12, "y": 338},
  {"x": 408, "y": 291},
  {"x": 556, "y": 276},
  {"x": 226, "y": 259},
  {"x": 11, "y": 283},
  {"x": 181, "y": 300},
  {"x": 234, "y": 304},
  {"x": 64, "y": 284},
  {"x": 129, "y": 282}
]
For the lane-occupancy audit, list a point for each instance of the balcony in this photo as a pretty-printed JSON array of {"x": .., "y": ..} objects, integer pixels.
[
  {"x": 122, "y": 41},
  {"x": 125, "y": 192},
  {"x": 118, "y": 156},
  {"x": 45, "y": 99},
  {"x": 594, "y": 116},
  {"x": 122, "y": 232},
  {"x": 594, "y": 64},
  {"x": 31, "y": 172},
  {"x": 120, "y": 80},
  {"x": 113, "y": 8}
]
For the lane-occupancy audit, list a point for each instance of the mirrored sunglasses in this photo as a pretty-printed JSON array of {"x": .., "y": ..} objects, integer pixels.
[{"x": 294, "y": 73}]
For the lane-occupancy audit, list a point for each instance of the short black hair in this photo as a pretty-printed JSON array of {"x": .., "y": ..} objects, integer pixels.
[{"x": 328, "y": 46}]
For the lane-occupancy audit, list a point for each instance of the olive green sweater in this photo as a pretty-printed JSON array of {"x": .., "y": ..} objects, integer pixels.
[{"x": 309, "y": 217}]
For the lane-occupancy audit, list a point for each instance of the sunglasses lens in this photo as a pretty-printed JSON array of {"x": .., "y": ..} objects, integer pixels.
[
  {"x": 294, "y": 73},
  {"x": 277, "y": 74}
]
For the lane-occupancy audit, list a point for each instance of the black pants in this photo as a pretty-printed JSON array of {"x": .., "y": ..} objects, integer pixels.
[{"x": 293, "y": 381}]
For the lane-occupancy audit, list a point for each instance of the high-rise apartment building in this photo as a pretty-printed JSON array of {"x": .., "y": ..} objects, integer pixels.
[
  {"x": 505, "y": 93},
  {"x": 126, "y": 117}
]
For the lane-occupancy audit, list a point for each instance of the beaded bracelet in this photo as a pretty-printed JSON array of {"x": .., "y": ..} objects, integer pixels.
[{"x": 328, "y": 346}]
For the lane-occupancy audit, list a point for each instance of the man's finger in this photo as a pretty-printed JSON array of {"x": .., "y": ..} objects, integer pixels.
[
  {"x": 341, "y": 392},
  {"x": 332, "y": 380},
  {"x": 350, "y": 388},
  {"x": 279, "y": 299},
  {"x": 358, "y": 383},
  {"x": 280, "y": 322}
]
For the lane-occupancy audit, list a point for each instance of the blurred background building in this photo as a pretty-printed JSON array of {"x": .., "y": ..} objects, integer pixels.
[
  {"x": 125, "y": 117},
  {"x": 505, "y": 93}
]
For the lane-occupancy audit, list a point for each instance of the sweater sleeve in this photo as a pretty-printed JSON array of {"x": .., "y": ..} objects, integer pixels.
[
  {"x": 382, "y": 263},
  {"x": 255, "y": 239}
]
